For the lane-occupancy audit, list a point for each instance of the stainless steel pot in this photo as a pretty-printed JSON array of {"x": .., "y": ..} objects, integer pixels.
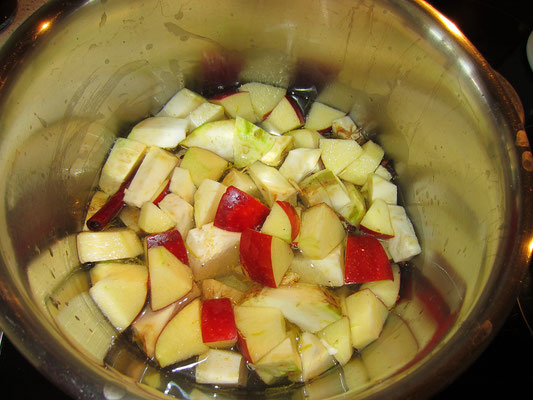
[{"x": 77, "y": 74}]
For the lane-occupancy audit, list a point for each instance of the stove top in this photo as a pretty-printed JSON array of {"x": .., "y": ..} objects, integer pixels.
[{"x": 499, "y": 30}]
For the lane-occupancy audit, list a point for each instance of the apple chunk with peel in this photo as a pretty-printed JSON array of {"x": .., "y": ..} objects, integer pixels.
[
  {"x": 182, "y": 336},
  {"x": 283, "y": 221},
  {"x": 264, "y": 97},
  {"x": 238, "y": 211},
  {"x": 221, "y": 367},
  {"x": 172, "y": 241},
  {"x": 236, "y": 104},
  {"x": 338, "y": 336},
  {"x": 149, "y": 324},
  {"x": 366, "y": 260},
  {"x": 121, "y": 295},
  {"x": 112, "y": 244},
  {"x": 170, "y": 279},
  {"x": 310, "y": 307},
  {"x": 320, "y": 231},
  {"x": 216, "y": 137},
  {"x": 285, "y": 117},
  {"x": 218, "y": 323},
  {"x": 213, "y": 251},
  {"x": 387, "y": 291},
  {"x": 367, "y": 315},
  {"x": 377, "y": 220},
  {"x": 265, "y": 258},
  {"x": 260, "y": 330}
]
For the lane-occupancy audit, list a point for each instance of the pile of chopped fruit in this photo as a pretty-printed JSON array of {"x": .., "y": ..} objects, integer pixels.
[{"x": 245, "y": 236}]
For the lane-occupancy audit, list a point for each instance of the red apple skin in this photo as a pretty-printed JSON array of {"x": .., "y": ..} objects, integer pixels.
[
  {"x": 366, "y": 260},
  {"x": 374, "y": 233},
  {"x": 172, "y": 241},
  {"x": 243, "y": 348},
  {"x": 218, "y": 322},
  {"x": 224, "y": 95},
  {"x": 294, "y": 219},
  {"x": 238, "y": 211},
  {"x": 161, "y": 196},
  {"x": 256, "y": 257},
  {"x": 296, "y": 108}
]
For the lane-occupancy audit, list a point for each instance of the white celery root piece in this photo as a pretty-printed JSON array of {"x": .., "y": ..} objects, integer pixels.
[{"x": 113, "y": 244}]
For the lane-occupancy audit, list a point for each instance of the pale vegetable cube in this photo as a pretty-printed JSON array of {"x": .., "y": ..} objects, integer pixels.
[
  {"x": 203, "y": 164},
  {"x": 108, "y": 245},
  {"x": 357, "y": 172},
  {"x": 206, "y": 200},
  {"x": 164, "y": 132},
  {"x": 125, "y": 155},
  {"x": 272, "y": 185},
  {"x": 180, "y": 211},
  {"x": 221, "y": 367},
  {"x": 404, "y": 245},
  {"x": 182, "y": 104},
  {"x": 153, "y": 171},
  {"x": 154, "y": 220},
  {"x": 206, "y": 112}
]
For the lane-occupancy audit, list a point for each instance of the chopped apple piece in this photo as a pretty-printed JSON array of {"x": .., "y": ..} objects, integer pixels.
[
  {"x": 337, "y": 154},
  {"x": 366, "y": 260},
  {"x": 182, "y": 336},
  {"x": 149, "y": 324},
  {"x": 213, "y": 289},
  {"x": 124, "y": 157},
  {"x": 310, "y": 307},
  {"x": 321, "y": 116},
  {"x": 404, "y": 245},
  {"x": 216, "y": 136},
  {"x": 283, "y": 221},
  {"x": 285, "y": 117},
  {"x": 241, "y": 181},
  {"x": 182, "y": 104},
  {"x": 218, "y": 323},
  {"x": 338, "y": 336},
  {"x": 264, "y": 97},
  {"x": 181, "y": 183},
  {"x": 345, "y": 128},
  {"x": 320, "y": 231},
  {"x": 164, "y": 132},
  {"x": 237, "y": 104},
  {"x": 206, "y": 200},
  {"x": 367, "y": 315},
  {"x": 314, "y": 355},
  {"x": 260, "y": 330},
  {"x": 163, "y": 190},
  {"x": 153, "y": 171},
  {"x": 299, "y": 163},
  {"x": 180, "y": 211},
  {"x": 105, "y": 269},
  {"x": 265, "y": 258},
  {"x": 358, "y": 170},
  {"x": 388, "y": 290},
  {"x": 206, "y": 112},
  {"x": 213, "y": 252},
  {"x": 282, "y": 360},
  {"x": 130, "y": 217},
  {"x": 170, "y": 279},
  {"x": 356, "y": 209},
  {"x": 221, "y": 367},
  {"x": 238, "y": 211},
  {"x": 112, "y": 244},
  {"x": 380, "y": 188},
  {"x": 276, "y": 155},
  {"x": 383, "y": 172},
  {"x": 121, "y": 295},
  {"x": 153, "y": 220},
  {"x": 250, "y": 143},
  {"x": 377, "y": 220},
  {"x": 203, "y": 164},
  {"x": 173, "y": 242},
  {"x": 305, "y": 138},
  {"x": 272, "y": 185},
  {"x": 328, "y": 271}
]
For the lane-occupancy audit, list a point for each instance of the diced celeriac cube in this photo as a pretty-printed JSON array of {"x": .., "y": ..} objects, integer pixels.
[
  {"x": 164, "y": 132},
  {"x": 182, "y": 104}
]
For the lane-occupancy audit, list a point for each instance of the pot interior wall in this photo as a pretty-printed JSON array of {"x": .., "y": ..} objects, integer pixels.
[{"x": 93, "y": 73}]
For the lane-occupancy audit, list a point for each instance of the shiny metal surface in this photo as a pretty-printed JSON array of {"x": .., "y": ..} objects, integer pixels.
[{"x": 79, "y": 73}]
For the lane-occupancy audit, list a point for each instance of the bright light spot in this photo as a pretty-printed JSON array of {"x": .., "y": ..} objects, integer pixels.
[
  {"x": 451, "y": 26},
  {"x": 530, "y": 247},
  {"x": 44, "y": 26}
]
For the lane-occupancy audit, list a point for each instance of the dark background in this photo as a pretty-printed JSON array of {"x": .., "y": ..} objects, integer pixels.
[{"x": 499, "y": 30}]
